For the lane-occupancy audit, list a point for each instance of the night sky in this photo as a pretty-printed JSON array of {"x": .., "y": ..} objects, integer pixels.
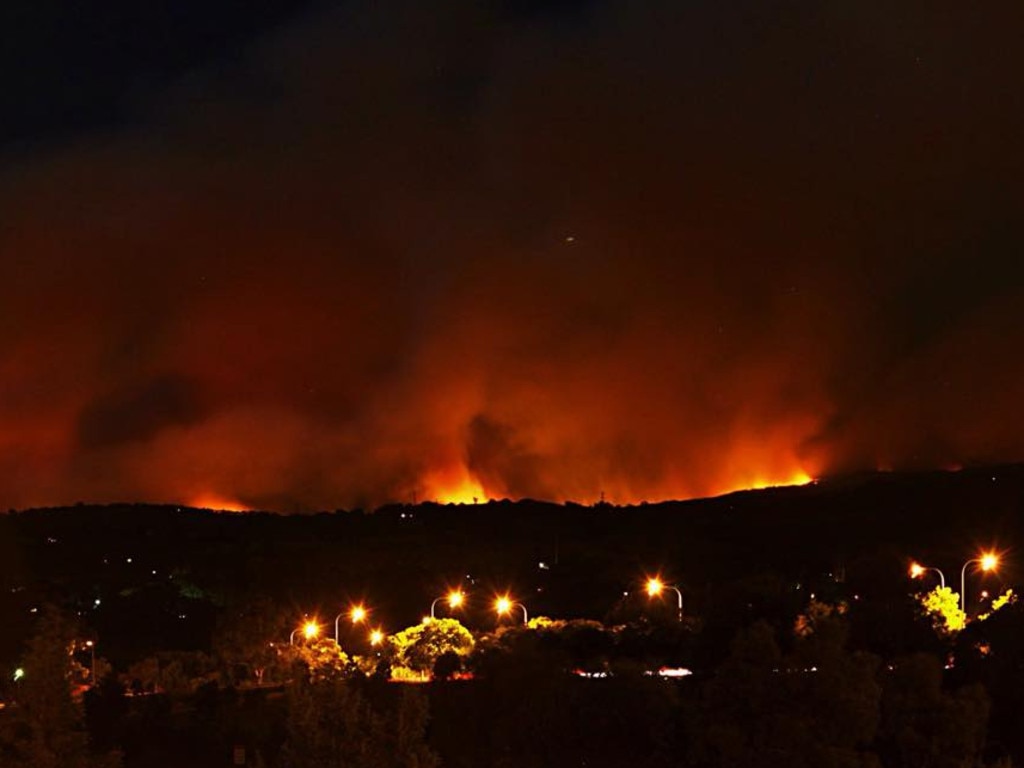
[{"x": 310, "y": 256}]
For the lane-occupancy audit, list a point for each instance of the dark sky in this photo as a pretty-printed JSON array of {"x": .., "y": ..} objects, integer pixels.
[{"x": 313, "y": 256}]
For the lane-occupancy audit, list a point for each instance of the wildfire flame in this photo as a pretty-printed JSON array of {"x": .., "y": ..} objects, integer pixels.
[
  {"x": 211, "y": 500},
  {"x": 460, "y": 486},
  {"x": 797, "y": 478},
  {"x": 456, "y": 487}
]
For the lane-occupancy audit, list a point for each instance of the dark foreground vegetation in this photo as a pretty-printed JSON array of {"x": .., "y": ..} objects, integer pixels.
[
  {"x": 805, "y": 644},
  {"x": 804, "y": 696}
]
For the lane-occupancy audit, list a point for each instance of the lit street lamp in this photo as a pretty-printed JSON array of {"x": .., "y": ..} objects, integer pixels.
[
  {"x": 655, "y": 587},
  {"x": 309, "y": 630},
  {"x": 357, "y": 614},
  {"x": 989, "y": 561},
  {"x": 376, "y": 637},
  {"x": 504, "y": 605},
  {"x": 455, "y": 598},
  {"x": 917, "y": 571}
]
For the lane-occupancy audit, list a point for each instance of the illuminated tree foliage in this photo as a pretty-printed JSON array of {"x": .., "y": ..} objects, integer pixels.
[
  {"x": 321, "y": 658},
  {"x": 419, "y": 647},
  {"x": 1007, "y": 598},
  {"x": 942, "y": 605}
]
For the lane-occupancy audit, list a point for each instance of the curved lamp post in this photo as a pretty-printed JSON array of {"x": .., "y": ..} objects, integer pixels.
[
  {"x": 917, "y": 571},
  {"x": 309, "y": 630},
  {"x": 455, "y": 598},
  {"x": 357, "y": 613},
  {"x": 655, "y": 587},
  {"x": 989, "y": 561},
  {"x": 504, "y": 605}
]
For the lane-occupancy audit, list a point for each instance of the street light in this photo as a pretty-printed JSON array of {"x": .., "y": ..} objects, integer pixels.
[
  {"x": 917, "y": 571},
  {"x": 376, "y": 637},
  {"x": 655, "y": 587},
  {"x": 357, "y": 614},
  {"x": 988, "y": 561},
  {"x": 309, "y": 630},
  {"x": 455, "y": 598},
  {"x": 504, "y": 605},
  {"x": 92, "y": 655}
]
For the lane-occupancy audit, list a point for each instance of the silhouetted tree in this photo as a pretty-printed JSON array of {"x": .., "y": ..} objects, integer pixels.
[
  {"x": 817, "y": 706},
  {"x": 925, "y": 725},
  {"x": 333, "y": 724},
  {"x": 46, "y": 729}
]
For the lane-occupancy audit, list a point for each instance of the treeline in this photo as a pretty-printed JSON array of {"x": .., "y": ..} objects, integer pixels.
[{"x": 803, "y": 692}]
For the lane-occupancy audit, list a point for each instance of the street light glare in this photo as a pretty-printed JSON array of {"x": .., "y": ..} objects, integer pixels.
[
  {"x": 916, "y": 570},
  {"x": 310, "y": 629},
  {"x": 654, "y": 587},
  {"x": 989, "y": 561},
  {"x": 358, "y": 613},
  {"x": 503, "y": 605},
  {"x": 376, "y": 637},
  {"x": 455, "y": 598}
]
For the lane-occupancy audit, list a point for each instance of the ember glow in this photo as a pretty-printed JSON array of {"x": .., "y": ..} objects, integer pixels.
[{"x": 584, "y": 259}]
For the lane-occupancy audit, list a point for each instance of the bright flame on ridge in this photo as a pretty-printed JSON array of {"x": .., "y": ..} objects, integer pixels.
[
  {"x": 459, "y": 487},
  {"x": 211, "y": 500},
  {"x": 798, "y": 477}
]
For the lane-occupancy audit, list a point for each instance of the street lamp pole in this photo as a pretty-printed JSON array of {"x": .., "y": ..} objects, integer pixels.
[
  {"x": 433, "y": 605},
  {"x": 988, "y": 562},
  {"x": 357, "y": 613},
  {"x": 505, "y": 605},
  {"x": 963, "y": 586},
  {"x": 916, "y": 570},
  {"x": 655, "y": 587},
  {"x": 679, "y": 596},
  {"x": 92, "y": 658},
  {"x": 526, "y": 619},
  {"x": 310, "y": 629},
  {"x": 454, "y": 599}
]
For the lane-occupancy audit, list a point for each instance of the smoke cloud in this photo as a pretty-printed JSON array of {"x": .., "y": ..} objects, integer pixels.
[{"x": 645, "y": 250}]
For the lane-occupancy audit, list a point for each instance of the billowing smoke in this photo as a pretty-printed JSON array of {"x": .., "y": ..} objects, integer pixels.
[{"x": 645, "y": 250}]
